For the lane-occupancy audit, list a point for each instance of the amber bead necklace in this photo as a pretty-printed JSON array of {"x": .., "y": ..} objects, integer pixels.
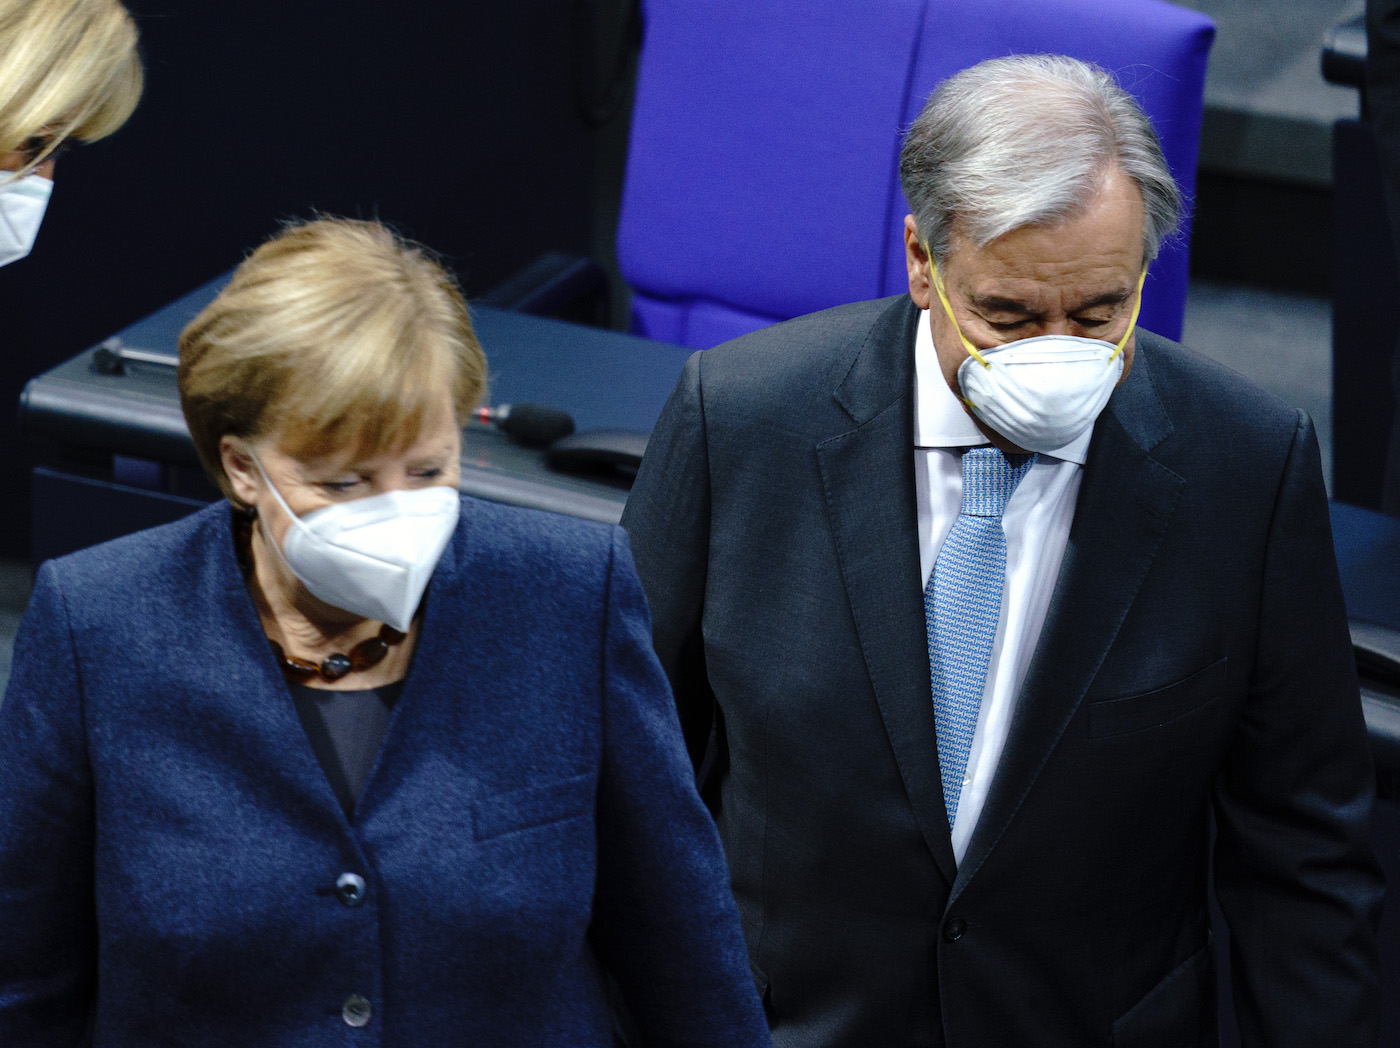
[
  {"x": 367, "y": 653},
  {"x": 364, "y": 655}
]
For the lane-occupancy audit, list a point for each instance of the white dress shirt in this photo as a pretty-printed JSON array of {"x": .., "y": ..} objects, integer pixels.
[{"x": 1036, "y": 523}]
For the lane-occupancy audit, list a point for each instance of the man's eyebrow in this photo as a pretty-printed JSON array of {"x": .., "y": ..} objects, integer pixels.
[
  {"x": 1111, "y": 298},
  {"x": 1000, "y": 304}
]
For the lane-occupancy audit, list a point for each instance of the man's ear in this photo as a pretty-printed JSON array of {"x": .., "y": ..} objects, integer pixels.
[
  {"x": 244, "y": 478},
  {"x": 916, "y": 261}
]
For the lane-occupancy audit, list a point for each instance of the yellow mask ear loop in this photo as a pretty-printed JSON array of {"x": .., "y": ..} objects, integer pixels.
[
  {"x": 937, "y": 282},
  {"x": 1132, "y": 324}
]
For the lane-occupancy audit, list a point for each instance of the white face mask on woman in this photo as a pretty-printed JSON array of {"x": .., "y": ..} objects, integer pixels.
[
  {"x": 23, "y": 202},
  {"x": 1040, "y": 393},
  {"x": 373, "y": 556}
]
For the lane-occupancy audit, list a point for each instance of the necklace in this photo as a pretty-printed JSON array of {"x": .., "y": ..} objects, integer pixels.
[{"x": 369, "y": 652}]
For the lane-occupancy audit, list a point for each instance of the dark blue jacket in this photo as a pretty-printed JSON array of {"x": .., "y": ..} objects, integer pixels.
[{"x": 169, "y": 845}]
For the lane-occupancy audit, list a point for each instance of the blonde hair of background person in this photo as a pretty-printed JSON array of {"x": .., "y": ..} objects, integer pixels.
[
  {"x": 332, "y": 334},
  {"x": 68, "y": 69}
]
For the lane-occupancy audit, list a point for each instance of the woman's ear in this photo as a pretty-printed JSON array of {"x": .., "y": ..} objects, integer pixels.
[{"x": 244, "y": 477}]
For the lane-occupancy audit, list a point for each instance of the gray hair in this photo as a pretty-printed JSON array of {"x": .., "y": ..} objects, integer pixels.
[{"x": 1026, "y": 140}]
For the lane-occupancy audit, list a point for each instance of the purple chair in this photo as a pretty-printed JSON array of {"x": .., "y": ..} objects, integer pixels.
[{"x": 763, "y": 174}]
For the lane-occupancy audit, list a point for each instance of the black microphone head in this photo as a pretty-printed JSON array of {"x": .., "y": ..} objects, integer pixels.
[{"x": 535, "y": 425}]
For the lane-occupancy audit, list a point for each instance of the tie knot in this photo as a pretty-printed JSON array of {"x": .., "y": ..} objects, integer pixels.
[{"x": 989, "y": 479}]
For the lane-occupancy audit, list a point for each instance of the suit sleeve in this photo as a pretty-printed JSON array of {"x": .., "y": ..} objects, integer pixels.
[
  {"x": 1295, "y": 872},
  {"x": 667, "y": 520},
  {"x": 48, "y": 943},
  {"x": 664, "y": 922}
]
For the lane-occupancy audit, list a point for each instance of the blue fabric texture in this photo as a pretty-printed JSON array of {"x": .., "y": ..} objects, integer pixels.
[
  {"x": 170, "y": 848},
  {"x": 962, "y": 605}
]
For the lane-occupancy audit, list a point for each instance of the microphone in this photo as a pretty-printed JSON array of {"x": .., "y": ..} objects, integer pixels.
[{"x": 533, "y": 425}]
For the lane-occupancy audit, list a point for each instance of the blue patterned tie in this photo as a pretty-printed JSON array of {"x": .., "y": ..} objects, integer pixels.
[{"x": 962, "y": 604}]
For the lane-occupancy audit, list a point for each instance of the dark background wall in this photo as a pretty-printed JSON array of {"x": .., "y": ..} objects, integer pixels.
[{"x": 489, "y": 131}]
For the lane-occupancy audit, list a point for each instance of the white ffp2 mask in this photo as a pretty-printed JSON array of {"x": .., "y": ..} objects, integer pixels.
[
  {"x": 375, "y": 555},
  {"x": 1040, "y": 393},
  {"x": 23, "y": 202}
]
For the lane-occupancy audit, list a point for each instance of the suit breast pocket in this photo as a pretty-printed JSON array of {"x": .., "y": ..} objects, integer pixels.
[
  {"x": 1160, "y": 706},
  {"x": 531, "y": 806}
]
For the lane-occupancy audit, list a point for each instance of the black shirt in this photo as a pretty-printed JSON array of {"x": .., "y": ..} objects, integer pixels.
[{"x": 345, "y": 729}]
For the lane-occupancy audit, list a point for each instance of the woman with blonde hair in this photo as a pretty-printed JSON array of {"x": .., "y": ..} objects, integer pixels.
[
  {"x": 69, "y": 69},
  {"x": 350, "y": 749}
]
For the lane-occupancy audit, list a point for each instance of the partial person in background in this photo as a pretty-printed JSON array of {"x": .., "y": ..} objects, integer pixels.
[
  {"x": 69, "y": 69},
  {"x": 349, "y": 748}
]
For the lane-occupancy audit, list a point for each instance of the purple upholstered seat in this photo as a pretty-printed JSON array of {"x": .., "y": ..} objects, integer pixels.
[{"x": 763, "y": 175}]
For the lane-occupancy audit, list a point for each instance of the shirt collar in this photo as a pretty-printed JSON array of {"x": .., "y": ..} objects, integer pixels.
[{"x": 941, "y": 421}]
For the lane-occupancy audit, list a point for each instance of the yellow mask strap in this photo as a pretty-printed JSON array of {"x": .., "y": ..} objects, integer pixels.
[
  {"x": 1132, "y": 324},
  {"x": 976, "y": 354},
  {"x": 937, "y": 281}
]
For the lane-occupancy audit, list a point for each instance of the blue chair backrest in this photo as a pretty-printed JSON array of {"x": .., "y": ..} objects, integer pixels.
[{"x": 763, "y": 174}]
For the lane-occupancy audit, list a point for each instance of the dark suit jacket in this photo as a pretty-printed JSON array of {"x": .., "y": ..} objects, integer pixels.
[
  {"x": 169, "y": 846},
  {"x": 1195, "y": 651}
]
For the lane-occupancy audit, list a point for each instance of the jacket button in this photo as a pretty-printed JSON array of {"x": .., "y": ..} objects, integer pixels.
[
  {"x": 955, "y": 929},
  {"x": 350, "y": 889},
  {"x": 355, "y": 1011}
]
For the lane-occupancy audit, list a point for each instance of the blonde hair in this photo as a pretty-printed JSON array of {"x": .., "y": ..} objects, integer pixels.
[
  {"x": 335, "y": 335},
  {"x": 68, "y": 69}
]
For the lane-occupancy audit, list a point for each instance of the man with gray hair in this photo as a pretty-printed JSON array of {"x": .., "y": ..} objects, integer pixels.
[{"x": 985, "y": 600}]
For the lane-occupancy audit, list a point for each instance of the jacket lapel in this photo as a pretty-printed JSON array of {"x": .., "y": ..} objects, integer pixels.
[
  {"x": 261, "y": 727},
  {"x": 1125, "y": 505},
  {"x": 420, "y": 709},
  {"x": 868, "y": 478}
]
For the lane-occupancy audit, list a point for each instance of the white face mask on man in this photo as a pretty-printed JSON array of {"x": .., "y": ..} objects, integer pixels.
[
  {"x": 373, "y": 556},
  {"x": 23, "y": 202},
  {"x": 1040, "y": 393}
]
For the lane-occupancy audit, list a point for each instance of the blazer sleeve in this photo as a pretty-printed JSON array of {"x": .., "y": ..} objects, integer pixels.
[
  {"x": 48, "y": 943},
  {"x": 664, "y": 921},
  {"x": 667, "y": 519},
  {"x": 1295, "y": 872}
]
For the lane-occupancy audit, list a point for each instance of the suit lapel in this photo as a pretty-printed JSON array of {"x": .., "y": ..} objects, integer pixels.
[
  {"x": 868, "y": 479},
  {"x": 260, "y": 728},
  {"x": 1125, "y": 505},
  {"x": 444, "y": 622}
]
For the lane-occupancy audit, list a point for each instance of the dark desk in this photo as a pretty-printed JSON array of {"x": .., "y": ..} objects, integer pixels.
[{"x": 117, "y": 444}]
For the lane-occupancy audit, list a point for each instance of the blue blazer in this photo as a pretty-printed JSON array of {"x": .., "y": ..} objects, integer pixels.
[{"x": 170, "y": 847}]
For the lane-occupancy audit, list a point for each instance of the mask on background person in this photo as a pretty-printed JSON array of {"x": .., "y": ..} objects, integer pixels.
[
  {"x": 23, "y": 202},
  {"x": 373, "y": 556},
  {"x": 1040, "y": 393}
]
